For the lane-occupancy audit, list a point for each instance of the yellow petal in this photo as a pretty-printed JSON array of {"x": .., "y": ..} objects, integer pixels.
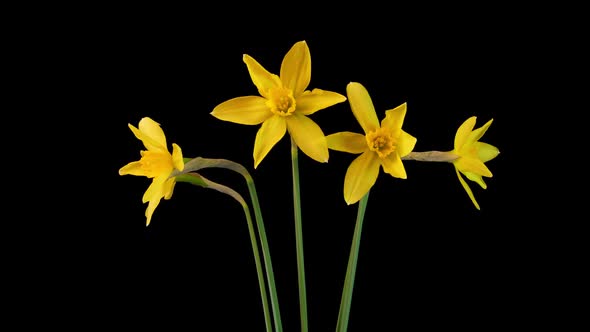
[
  {"x": 347, "y": 141},
  {"x": 156, "y": 188},
  {"x": 486, "y": 152},
  {"x": 308, "y": 136},
  {"x": 271, "y": 131},
  {"x": 148, "y": 142},
  {"x": 153, "y": 203},
  {"x": 405, "y": 144},
  {"x": 362, "y": 106},
  {"x": 473, "y": 165},
  {"x": 463, "y": 132},
  {"x": 312, "y": 101},
  {"x": 394, "y": 118},
  {"x": 169, "y": 188},
  {"x": 133, "y": 168},
  {"x": 475, "y": 178},
  {"x": 296, "y": 68},
  {"x": 360, "y": 176},
  {"x": 478, "y": 133},
  {"x": 467, "y": 189},
  {"x": 177, "y": 159},
  {"x": 392, "y": 164},
  {"x": 151, "y": 129},
  {"x": 263, "y": 80},
  {"x": 249, "y": 110}
]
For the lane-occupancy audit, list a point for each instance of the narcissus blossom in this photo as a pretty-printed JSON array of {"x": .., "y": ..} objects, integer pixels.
[
  {"x": 381, "y": 146},
  {"x": 283, "y": 105},
  {"x": 472, "y": 155},
  {"x": 155, "y": 163}
]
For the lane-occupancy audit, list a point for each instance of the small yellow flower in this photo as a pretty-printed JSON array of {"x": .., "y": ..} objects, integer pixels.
[
  {"x": 382, "y": 145},
  {"x": 283, "y": 105},
  {"x": 156, "y": 163},
  {"x": 472, "y": 155}
]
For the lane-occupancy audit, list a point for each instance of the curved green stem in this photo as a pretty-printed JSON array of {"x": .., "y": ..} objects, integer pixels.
[
  {"x": 299, "y": 237},
  {"x": 199, "y": 163},
  {"x": 197, "y": 179},
  {"x": 265, "y": 252},
  {"x": 346, "y": 300}
]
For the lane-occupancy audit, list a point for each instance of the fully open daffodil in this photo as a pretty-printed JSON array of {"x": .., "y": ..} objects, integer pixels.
[
  {"x": 283, "y": 104},
  {"x": 472, "y": 155},
  {"x": 156, "y": 163},
  {"x": 382, "y": 145}
]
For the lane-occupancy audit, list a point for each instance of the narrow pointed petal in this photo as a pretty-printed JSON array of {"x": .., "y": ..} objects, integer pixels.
[
  {"x": 473, "y": 165},
  {"x": 152, "y": 129},
  {"x": 296, "y": 68},
  {"x": 394, "y": 166},
  {"x": 476, "y": 178},
  {"x": 169, "y": 188},
  {"x": 362, "y": 106},
  {"x": 467, "y": 189},
  {"x": 478, "y": 133},
  {"x": 463, "y": 132},
  {"x": 347, "y": 141},
  {"x": 312, "y": 101},
  {"x": 149, "y": 211},
  {"x": 177, "y": 159},
  {"x": 360, "y": 176},
  {"x": 271, "y": 131},
  {"x": 308, "y": 136},
  {"x": 133, "y": 168},
  {"x": 405, "y": 144},
  {"x": 394, "y": 118},
  {"x": 155, "y": 189},
  {"x": 486, "y": 152},
  {"x": 249, "y": 110},
  {"x": 147, "y": 141},
  {"x": 263, "y": 80}
]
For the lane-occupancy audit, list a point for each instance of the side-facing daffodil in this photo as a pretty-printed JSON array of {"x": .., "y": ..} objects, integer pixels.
[
  {"x": 156, "y": 163},
  {"x": 283, "y": 105},
  {"x": 472, "y": 155},
  {"x": 382, "y": 145}
]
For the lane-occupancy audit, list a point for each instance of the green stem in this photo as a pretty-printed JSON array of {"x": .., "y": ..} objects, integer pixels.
[
  {"x": 346, "y": 300},
  {"x": 196, "y": 179},
  {"x": 299, "y": 238},
  {"x": 200, "y": 163},
  {"x": 265, "y": 252}
]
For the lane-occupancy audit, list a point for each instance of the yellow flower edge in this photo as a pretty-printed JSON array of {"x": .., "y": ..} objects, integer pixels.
[
  {"x": 473, "y": 155},
  {"x": 382, "y": 145},
  {"x": 156, "y": 163},
  {"x": 283, "y": 106}
]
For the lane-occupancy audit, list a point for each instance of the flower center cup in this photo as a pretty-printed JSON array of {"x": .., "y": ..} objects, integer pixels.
[
  {"x": 281, "y": 101},
  {"x": 381, "y": 142},
  {"x": 155, "y": 163}
]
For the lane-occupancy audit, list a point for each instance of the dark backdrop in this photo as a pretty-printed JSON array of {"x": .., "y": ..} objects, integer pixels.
[{"x": 427, "y": 258}]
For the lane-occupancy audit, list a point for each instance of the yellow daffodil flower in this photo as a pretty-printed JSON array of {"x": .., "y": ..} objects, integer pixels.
[
  {"x": 472, "y": 155},
  {"x": 283, "y": 105},
  {"x": 383, "y": 144},
  {"x": 156, "y": 163}
]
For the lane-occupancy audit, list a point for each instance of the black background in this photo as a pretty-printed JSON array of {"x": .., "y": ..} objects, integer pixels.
[
  {"x": 426, "y": 251},
  {"x": 427, "y": 257}
]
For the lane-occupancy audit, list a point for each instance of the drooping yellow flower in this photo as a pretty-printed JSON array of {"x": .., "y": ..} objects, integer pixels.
[
  {"x": 156, "y": 163},
  {"x": 472, "y": 155},
  {"x": 283, "y": 105},
  {"x": 382, "y": 145}
]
